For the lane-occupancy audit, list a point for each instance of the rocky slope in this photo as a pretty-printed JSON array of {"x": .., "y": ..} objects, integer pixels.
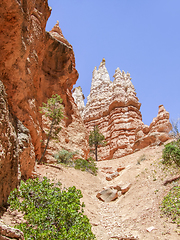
[
  {"x": 115, "y": 108},
  {"x": 35, "y": 64},
  {"x": 133, "y": 215}
]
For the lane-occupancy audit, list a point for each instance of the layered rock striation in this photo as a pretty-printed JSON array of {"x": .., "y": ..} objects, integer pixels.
[
  {"x": 79, "y": 99},
  {"x": 34, "y": 64},
  {"x": 59, "y": 76},
  {"x": 115, "y": 108},
  {"x": 156, "y": 133}
]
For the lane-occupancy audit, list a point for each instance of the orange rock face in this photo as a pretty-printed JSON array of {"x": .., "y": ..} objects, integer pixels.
[
  {"x": 16, "y": 149},
  {"x": 8, "y": 150},
  {"x": 35, "y": 64},
  {"x": 114, "y": 107},
  {"x": 156, "y": 133}
]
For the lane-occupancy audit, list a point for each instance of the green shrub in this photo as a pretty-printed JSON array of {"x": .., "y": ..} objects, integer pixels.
[
  {"x": 171, "y": 153},
  {"x": 171, "y": 204},
  {"x": 96, "y": 139},
  {"x": 53, "y": 109},
  {"x": 86, "y": 165},
  {"x": 65, "y": 156},
  {"x": 50, "y": 213}
]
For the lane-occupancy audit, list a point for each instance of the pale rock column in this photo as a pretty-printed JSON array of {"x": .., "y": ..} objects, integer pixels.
[
  {"x": 79, "y": 99},
  {"x": 114, "y": 107}
]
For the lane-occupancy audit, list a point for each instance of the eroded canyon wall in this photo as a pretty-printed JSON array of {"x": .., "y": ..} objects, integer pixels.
[
  {"x": 115, "y": 108},
  {"x": 8, "y": 150},
  {"x": 16, "y": 149},
  {"x": 35, "y": 64}
]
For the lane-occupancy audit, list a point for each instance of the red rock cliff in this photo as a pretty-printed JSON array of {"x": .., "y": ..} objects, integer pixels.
[{"x": 35, "y": 64}]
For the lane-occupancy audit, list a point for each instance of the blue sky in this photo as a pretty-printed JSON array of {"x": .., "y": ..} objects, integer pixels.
[{"x": 138, "y": 36}]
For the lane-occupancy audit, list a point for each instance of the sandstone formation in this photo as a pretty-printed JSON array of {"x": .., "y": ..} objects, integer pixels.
[
  {"x": 7, "y": 232},
  {"x": 8, "y": 150},
  {"x": 112, "y": 193},
  {"x": 115, "y": 108},
  {"x": 125, "y": 188},
  {"x": 107, "y": 195},
  {"x": 58, "y": 35},
  {"x": 79, "y": 99},
  {"x": 16, "y": 149},
  {"x": 156, "y": 133},
  {"x": 112, "y": 176},
  {"x": 35, "y": 64}
]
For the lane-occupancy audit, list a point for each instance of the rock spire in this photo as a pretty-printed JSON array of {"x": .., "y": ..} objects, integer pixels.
[
  {"x": 79, "y": 99},
  {"x": 56, "y": 32},
  {"x": 115, "y": 108}
]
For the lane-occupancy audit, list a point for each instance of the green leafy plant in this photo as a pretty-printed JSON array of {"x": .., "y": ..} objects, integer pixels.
[
  {"x": 171, "y": 204},
  {"x": 88, "y": 165},
  {"x": 50, "y": 213},
  {"x": 65, "y": 156},
  {"x": 96, "y": 139},
  {"x": 171, "y": 153},
  {"x": 53, "y": 109}
]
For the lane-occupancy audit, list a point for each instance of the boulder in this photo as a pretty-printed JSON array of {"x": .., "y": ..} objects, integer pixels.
[
  {"x": 125, "y": 188},
  {"x": 7, "y": 232},
  {"x": 119, "y": 169},
  {"x": 122, "y": 187},
  {"x": 117, "y": 187},
  {"x": 112, "y": 176},
  {"x": 107, "y": 195}
]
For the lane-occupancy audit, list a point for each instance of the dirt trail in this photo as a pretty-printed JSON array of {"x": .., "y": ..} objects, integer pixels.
[{"x": 132, "y": 214}]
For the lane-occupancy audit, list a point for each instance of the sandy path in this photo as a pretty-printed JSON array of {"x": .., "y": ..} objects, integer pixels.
[{"x": 131, "y": 214}]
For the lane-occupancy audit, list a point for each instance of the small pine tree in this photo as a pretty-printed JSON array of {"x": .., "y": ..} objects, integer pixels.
[
  {"x": 95, "y": 139},
  {"x": 53, "y": 109}
]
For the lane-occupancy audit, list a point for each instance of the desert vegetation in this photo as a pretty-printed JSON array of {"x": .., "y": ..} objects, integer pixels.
[
  {"x": 96, "y": 139},
  {"x": 66, "y": 157},
  {"x": 171, "y": 159},
  {"x": 53, "y": 109},
  {"x": 171, "y": 204},
  {"x": 50, "y": 212},
  {"x": 171, "y": 153}
]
